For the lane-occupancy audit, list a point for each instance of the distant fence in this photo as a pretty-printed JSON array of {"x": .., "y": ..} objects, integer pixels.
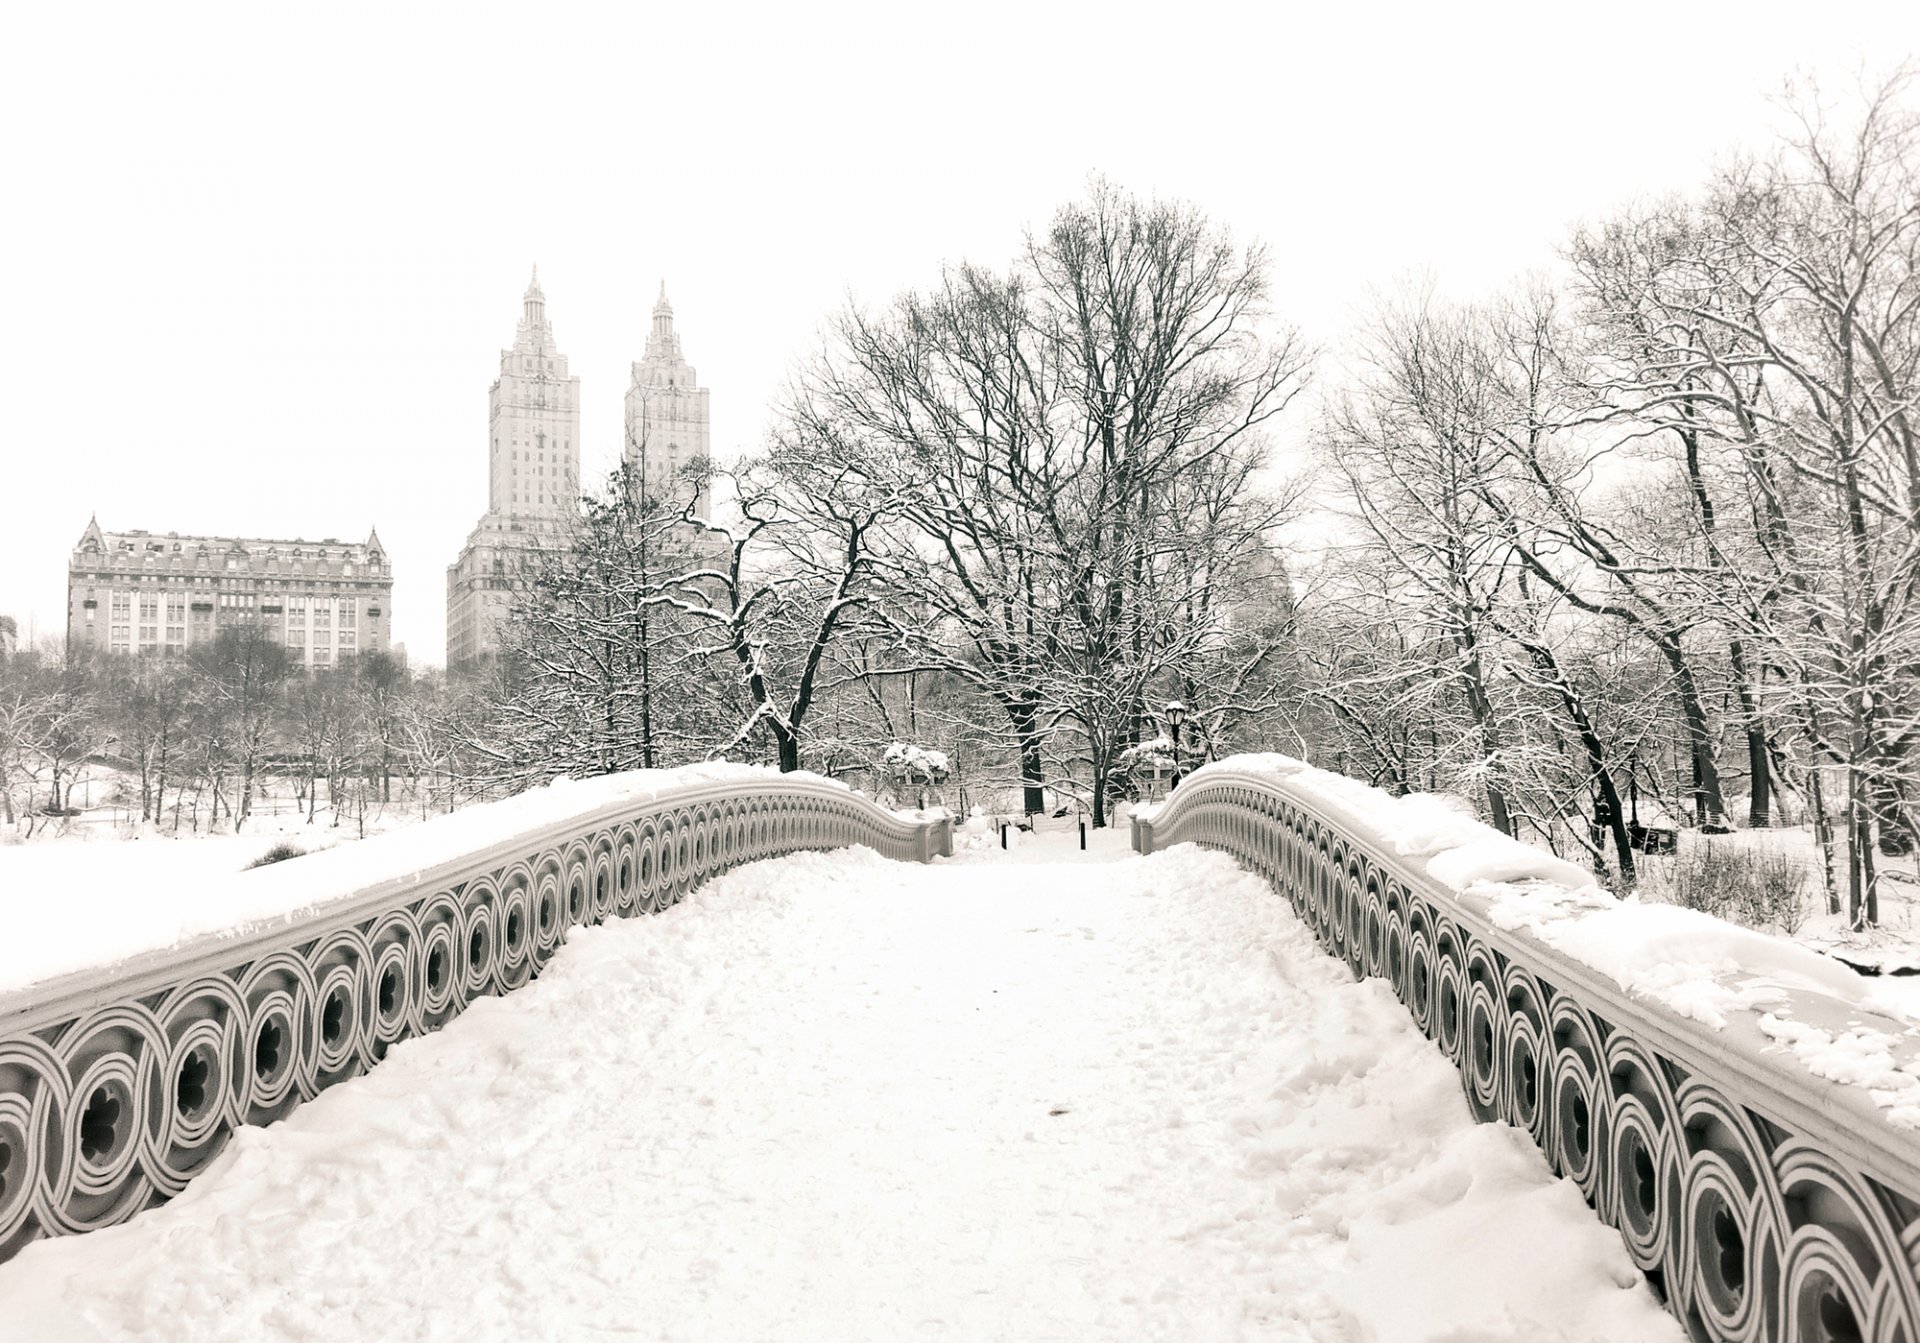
[
  {"x": 117, "y": 1086},
  {"x": 1763, "y": 1202}
]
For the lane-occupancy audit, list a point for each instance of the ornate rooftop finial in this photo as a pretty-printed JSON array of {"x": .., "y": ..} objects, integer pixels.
[
  {"x": 661, "y": 341},
  {"x": 534, "y": 332}
]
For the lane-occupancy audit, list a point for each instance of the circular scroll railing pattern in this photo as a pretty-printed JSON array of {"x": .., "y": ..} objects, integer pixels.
[
  {"x": 116, "y": 1108},
  {"x": 1750, "y": 1232}
]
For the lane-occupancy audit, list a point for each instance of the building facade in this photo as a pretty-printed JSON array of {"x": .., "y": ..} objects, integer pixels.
[
  {"x": 668, "y": 422},
  {"x": 533, "y": 480},
  {"x": 143, "y": 593}
]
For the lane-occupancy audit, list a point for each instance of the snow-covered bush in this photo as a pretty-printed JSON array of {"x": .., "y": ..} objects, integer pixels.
[
  {"x": 915, "y": 764},
  {"x": 1760, "y": 887},
  {"x": 279, "y": 853},
  {"x": 917, "y": 768},
  {"x": 1146, "y": 755}
]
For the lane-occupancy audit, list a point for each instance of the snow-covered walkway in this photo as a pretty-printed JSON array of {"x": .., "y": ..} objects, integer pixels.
[{"x": 834, "y": 1097}]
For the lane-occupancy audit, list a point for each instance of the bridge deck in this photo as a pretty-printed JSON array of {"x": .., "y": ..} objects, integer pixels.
[{"x": 837, "y": 1097}]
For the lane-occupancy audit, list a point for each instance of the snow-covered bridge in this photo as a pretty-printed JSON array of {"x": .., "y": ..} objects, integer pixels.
[{"x": 1033, "y": 1094}]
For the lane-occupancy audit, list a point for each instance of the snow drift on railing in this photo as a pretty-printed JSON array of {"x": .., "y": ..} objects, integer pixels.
[
  {"x": 1692, "y": 963},
  {"x": 48, "y": 936}
]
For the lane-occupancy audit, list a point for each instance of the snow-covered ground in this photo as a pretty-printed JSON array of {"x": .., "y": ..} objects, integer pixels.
[
  {"x": 86, "y": 898},
  {"x": 93, "y": 895},
  {"x": 1005, "y": 1097}
]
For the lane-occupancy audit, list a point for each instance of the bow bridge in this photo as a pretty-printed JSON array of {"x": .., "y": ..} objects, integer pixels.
[{"x": 1761, "y": 1191}]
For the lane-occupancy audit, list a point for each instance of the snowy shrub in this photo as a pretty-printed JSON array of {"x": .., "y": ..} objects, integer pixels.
[
  {"x": 278, "y": 853},
  {"x": 915, "y": 764},
  {"x": 1759, "y": 887},
  {"x": 916, "y": 769},
  {"x": 1146, "y": 755}
]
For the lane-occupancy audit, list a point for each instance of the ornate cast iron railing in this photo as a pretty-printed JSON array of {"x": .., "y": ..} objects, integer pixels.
[
  {"x": 1763, "y": 1202},
  {"x": 118, "y": 1085}
]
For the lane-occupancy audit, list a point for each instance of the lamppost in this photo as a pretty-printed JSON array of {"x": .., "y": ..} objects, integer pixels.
[{"x": 1176, "y": 715}]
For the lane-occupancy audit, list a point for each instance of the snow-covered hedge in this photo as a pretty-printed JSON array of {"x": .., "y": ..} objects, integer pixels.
[
  {"x": 1744, "y": 1110},
  {"x": 128, "y": 1054}
]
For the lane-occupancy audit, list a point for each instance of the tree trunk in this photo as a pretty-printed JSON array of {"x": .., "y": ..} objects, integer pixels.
[
  {"x": 1026, "y": 729},
  {"x": 1708, "y": 804},
  {"x": 1759, "y": 756},
  {"x": 1482, "y": 709},
  {"x": 1889, "y": 809}
]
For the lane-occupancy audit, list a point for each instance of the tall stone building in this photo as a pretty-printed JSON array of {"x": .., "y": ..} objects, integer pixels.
[
  {"x": 668, "y": 422},
  {"x": 140, "y": 592},
  {"x": 533, "y": 480}
]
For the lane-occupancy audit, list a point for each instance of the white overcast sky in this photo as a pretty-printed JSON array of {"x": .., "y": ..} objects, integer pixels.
[{"x": 263, "y": 260}]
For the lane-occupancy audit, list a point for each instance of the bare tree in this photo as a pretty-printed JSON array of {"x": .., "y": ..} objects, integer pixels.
[
  {"x": 1037, "y": 428},
  {"x": 148, "y": 705},
  {"x": 592, "y": 649},
  {"x": 795, "y": 574},
  {"x": 241, "y": 675}
]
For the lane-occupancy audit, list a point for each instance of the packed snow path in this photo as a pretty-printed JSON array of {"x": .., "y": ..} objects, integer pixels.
[{"x": 835, "y": 1097}]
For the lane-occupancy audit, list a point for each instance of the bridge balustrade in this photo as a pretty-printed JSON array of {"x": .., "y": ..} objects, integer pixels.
[
  {"x": 1763, "y": 1202},
  {"x": 118, "y": 1085}
]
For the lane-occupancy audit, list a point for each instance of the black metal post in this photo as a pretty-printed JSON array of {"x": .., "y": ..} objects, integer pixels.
[{"x": 1176, "y": 716}]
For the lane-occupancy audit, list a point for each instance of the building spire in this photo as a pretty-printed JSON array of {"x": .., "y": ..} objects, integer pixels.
[
  {"x": 534, "y": 333},
  {"x": 535, "y": 301},
  {"x": 661, "y": 342}
]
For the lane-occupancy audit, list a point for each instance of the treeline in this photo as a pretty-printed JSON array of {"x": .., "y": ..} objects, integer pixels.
[
  {"x": 1652, "y": 523},
  {"x": 197, "y": 737}
]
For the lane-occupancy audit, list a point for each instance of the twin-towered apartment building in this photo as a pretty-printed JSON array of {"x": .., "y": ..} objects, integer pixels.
[
  {"x": 139, "y": 592},
  {"x": 533, "y": 456}
]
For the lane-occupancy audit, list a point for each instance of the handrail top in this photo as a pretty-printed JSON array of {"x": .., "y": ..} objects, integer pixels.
[{"x": 338, "y": 885}]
